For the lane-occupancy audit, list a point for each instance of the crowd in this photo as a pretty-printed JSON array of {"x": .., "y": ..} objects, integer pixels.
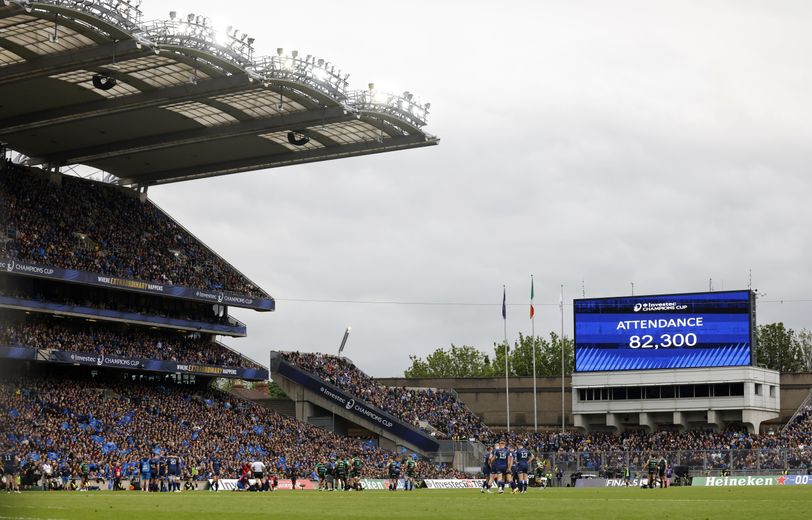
[
  {"x": 113, "y": 339},
  {"x": 90, "y": 226},
  {"x": 103, "y": 424},
  {"x": 731, "y": 449},
  {"x": 437, "y": 411}
]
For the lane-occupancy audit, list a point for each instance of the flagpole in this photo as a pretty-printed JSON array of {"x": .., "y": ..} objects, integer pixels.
[
  {"x": 507, "y": 352},
  {"x": 533, "y": 346},
  {"x": 561, "y": 342}
]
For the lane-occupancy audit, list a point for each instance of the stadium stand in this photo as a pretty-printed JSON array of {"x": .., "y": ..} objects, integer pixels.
[
  {"x": 699, "y": 450},
  {"x": 73, "y": 419},
  {"x": 94, "y": 300},
  {"x": 95, "y": 227},
  {"x": 447, "y": 415},
  {"x": 57, "y": 333}
]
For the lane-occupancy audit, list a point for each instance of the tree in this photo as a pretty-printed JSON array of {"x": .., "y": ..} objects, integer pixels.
[
  {"x": 275, "y": 391},
  {"x": 468, "y": 361},
  {"x": 804, "y": 341},
  {"x": 777, "y": 348},
  {"x": 464, "y": 361}
]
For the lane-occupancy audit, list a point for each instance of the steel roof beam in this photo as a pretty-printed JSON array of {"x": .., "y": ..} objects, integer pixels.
[
  {"x": 105, "y": 107},
  {"x": 49, "y": 65},
  {"x": 200, "y": 135},
  {"x": 283, "y": 159}
]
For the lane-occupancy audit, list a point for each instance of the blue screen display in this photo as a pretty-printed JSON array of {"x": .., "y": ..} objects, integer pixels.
[{"x": 663, "y": 331}]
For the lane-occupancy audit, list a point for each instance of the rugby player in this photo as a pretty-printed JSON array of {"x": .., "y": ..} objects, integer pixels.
[
  {"x": 11, "y": 464},
  {"x": 411, "y": 476},
  {"x": 394, "y": 473},
  {"x": 321, "y": 472},
  {"x": 341, "y": 474},
  {"x": 214, "y": 470},
  {"x": 661, "y": 465},
  {"x": 486, "y": 472},
  {"x": 355, "y": 473},
  {"x": 173, "y": 464},
  {"x": 501, "y": 461},
  {"x": 523, "y": 459},
  {"x": 154, "y": 462},
  {"x": 651, "y": 467}
]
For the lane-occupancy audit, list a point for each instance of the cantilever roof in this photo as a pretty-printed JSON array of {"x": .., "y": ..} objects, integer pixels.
[{"x": 188, "y": 102}]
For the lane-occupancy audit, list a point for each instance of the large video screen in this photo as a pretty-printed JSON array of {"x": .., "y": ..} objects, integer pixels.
[{"x": 711, "y": 329}]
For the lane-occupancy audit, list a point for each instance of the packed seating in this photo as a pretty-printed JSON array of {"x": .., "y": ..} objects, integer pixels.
[
  {"x": 110, "y": 339},
  {"x": 732, "y": 449},
  {"x": 72, "y": 422},
  {"x": 439, "y": 408},
  {"x": 163, "y": 309},
  {"x": 90, "y": 226}
]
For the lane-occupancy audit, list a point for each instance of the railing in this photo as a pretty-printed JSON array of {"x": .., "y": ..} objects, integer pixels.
[
  {"x": 698, "y": 462},
  {"x": 802, "y": 408}
]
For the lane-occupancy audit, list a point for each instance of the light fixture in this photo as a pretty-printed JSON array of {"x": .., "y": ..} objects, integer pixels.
[
  {"x": 297, "y": 138},
  {"x": 103, "y": 82},
  {"x": 173, "y": 15}
]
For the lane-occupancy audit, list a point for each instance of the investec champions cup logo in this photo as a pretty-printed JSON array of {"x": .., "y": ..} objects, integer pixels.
[
  {"x": 10, "y": 266},
  {"x": 658, "y": 307},
  {"x": 350, "y": 404}
]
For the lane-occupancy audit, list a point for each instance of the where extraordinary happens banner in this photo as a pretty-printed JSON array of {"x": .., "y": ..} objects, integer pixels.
[
  {"x": 174, "y": 291},
  {"x": 663, "y": 331}
]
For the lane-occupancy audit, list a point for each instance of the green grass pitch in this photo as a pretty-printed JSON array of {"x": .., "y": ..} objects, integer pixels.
[{"x": 780, "y": 503}]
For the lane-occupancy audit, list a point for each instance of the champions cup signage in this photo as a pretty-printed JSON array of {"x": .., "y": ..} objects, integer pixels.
[
  {"x": 84, "y": 277},
  {"x": 155, "y": 365},
  {"x": 361, "y": 409},
  {"x": 664, "y": 331},
  {"x": 132, "y": 316}
]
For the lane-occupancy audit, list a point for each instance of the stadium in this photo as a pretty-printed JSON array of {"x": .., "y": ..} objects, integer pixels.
[{"x": 118, "y": 387}]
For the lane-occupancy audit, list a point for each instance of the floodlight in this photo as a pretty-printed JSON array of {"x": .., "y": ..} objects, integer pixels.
[
  {"x": 103, "y": 82},
  {"x": 279, "y": 51},
  {"x": 251, "y": 41},
  {"x": 173, "y": 15},
  {"x": 190, "y": 17}
]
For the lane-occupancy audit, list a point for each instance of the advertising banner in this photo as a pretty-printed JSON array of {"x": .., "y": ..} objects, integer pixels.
[
  {"x": 230, "y": 484},
  {"x": 7, "y": 352},
  {"x": 361, "y": 409},
  {"x": 131, "y": 316},
  {"x": 760, "y": 481},
  {"x": 454, "y": 483},
  {"x": 155, "y": 365},
  {"x": 663, "y": 331},
  {"x": 188, "y": 293},
  {"x": 612, "y": 482}
]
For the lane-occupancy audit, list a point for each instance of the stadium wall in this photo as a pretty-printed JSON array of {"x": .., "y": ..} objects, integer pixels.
[{"x": 486, "y": 396}]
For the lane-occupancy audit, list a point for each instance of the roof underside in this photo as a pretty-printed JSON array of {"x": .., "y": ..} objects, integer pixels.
[{"x": 177, "y": 111}]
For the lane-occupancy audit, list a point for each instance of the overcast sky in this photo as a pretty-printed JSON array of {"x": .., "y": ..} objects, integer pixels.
[{"x": 659, "y": 143}]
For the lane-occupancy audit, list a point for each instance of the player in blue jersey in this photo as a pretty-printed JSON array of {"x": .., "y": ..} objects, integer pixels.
[
  {"x": 394, "y": 473},
  {"x": 11, "y": 465},
  {"x": 523, "y": 458},
  {"x": 144, "y": 468},
  {"x": 214, "y": 468},
  {"x": 514, "y": 473},
  {"x": 154, "y": 482},
  {"x": 173, "y": 469},
  {"x": 163, "y": 473},
  {"x": 486, "y": 472},
  {"x": 501, "y": 461}
]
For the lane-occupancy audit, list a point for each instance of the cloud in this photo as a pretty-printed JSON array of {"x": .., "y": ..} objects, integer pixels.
[{"x": 660, "y": 144}]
